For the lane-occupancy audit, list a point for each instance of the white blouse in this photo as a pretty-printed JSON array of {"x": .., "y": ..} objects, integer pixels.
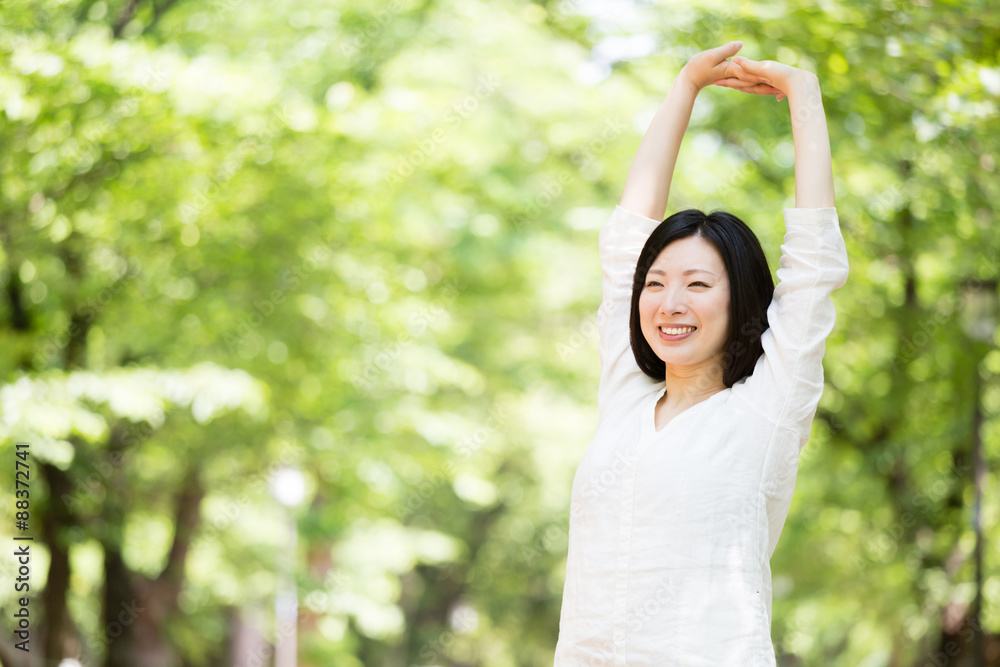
[{"x": 671, "y": 531}]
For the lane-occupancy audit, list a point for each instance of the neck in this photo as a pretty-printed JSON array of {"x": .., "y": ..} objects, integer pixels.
[{"x": 689, "y": 384}]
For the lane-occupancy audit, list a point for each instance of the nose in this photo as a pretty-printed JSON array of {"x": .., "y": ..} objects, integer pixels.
[{"x": 673, "y": 302}]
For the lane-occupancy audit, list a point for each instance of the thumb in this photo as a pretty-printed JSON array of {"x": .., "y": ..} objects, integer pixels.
[{"x": 722, "y": 52}]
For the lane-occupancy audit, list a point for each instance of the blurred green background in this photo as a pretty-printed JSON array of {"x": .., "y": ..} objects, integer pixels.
[{"x": 354, "y": 245}]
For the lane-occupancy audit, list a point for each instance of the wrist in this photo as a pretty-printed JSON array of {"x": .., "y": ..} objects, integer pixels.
[
  {"x": 685, "y": 80},
  {"x": 804, "y": 83}
]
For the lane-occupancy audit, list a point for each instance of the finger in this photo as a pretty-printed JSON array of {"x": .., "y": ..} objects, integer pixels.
[
  {"x": 743, "y": 84},
  {"x": 763, "y": 89},
  {"x": 728, "y": 83},
  {"x": 767, "y": 89},
  {"x": 732, "y": 83},
  {"x": 758, "y": 89},
  {"x": 733, "y": 70},
  {"x": 753, "y": 66},
  {"x": 752, "y": 87},
  {"x": 730, "y": 48},
  {"x": 730, "y": 70},
  {"x": 722, "y": 52},
  {"x": 764, "y": 69},
  {"x": 737, "y": 76}
]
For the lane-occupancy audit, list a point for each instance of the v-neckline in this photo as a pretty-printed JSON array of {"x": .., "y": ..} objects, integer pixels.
[{"x": 650, "y": 417}]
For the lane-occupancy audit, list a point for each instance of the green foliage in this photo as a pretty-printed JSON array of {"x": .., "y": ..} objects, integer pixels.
[{"x": 361, "y": 239}]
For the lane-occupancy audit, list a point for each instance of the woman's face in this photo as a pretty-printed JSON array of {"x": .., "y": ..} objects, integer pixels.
[{"x": 687, "y": 293}]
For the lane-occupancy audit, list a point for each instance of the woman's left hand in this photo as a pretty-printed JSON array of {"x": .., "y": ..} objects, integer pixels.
[{"x": 763, "y": 77}]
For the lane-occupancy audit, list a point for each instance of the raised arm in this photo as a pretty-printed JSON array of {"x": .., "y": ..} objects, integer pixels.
[
  {"x": 813, "y": 166},
  {"x": 648, "y": 184},
  {"x": 642, "y": 208},
  {"x": 787, "y": 381}
]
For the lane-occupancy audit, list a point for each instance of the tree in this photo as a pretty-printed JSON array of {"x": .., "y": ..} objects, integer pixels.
[{"x": 384, "y": 218}]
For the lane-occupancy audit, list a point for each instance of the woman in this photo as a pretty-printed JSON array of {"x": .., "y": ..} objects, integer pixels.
[{"x": 710, "y": 378}]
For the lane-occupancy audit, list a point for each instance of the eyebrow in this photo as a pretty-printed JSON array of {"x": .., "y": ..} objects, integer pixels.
[{"x": 689, "y": 271}]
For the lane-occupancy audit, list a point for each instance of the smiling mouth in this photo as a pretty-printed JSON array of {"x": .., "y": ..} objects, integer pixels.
[{"x": 676, "y": 331}]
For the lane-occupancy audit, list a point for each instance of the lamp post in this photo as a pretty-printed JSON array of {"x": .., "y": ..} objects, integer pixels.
[
  {"x": 288, "y": 487},
  {"x": 979, "y": 322}
]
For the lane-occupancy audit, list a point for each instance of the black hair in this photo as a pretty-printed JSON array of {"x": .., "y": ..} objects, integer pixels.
[{"x": 750, "y": 288}]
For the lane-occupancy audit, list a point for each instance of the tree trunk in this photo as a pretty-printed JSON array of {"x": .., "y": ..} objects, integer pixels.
[
  {"x": 137, "y": 608},
  {"x": 58, "y": 636}
]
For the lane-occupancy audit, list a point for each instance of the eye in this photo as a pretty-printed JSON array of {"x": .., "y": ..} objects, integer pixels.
[
  {"x": 698, "y": 282},
  {"x": 652, "y": 282}
]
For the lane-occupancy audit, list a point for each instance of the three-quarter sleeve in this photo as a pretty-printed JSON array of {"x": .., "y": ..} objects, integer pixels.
[
  {"x": 620, "y": 242},
  {"x": 787, "y": 380}
]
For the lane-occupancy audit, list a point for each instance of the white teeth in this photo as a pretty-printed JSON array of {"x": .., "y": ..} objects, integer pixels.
[{"x": 675, "y": 331}]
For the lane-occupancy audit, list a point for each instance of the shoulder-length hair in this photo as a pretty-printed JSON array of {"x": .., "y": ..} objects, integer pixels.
[{"x": 750, "y": 288}]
